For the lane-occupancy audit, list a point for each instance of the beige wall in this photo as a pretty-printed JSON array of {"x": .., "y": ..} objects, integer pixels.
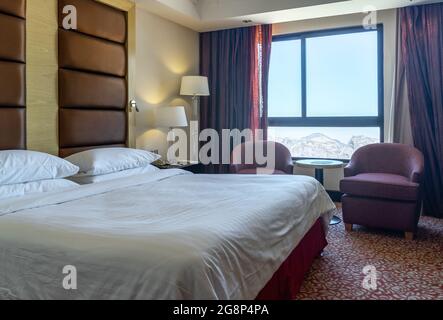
[
  {"x": 388, "y": 19},
  {"x": 165, "y": 52}
]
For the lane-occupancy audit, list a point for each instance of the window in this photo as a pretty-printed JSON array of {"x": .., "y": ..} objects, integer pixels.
[
  {"x": 285, "y": 94},
  {"x": 326, "y": 92}
]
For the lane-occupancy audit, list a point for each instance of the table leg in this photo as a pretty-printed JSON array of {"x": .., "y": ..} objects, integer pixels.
[{"x": 320, "y": 176}]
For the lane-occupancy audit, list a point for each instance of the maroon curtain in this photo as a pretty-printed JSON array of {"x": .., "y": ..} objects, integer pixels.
[
  {"x": 236, "y": 63},
  {"x": 422, "y": 53}
]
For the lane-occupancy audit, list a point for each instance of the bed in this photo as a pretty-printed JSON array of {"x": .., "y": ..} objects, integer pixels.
[
  {"x": 164, "y": 235},
  {"x": 160, "y": 235}
]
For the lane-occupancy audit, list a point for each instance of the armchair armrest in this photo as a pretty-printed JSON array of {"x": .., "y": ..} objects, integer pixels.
[
  {"x": 416, "y": 177},
  {"x": 416, "y": 168},
  {"x": 351, "y": 170}
]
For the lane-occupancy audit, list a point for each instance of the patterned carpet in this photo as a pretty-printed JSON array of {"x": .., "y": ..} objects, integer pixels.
[{"x": 405, "y": 270}]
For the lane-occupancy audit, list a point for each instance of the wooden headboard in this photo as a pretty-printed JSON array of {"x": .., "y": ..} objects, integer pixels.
[
  {"x": 93, "y": 78},
  {"x": 12, "y": 74}
]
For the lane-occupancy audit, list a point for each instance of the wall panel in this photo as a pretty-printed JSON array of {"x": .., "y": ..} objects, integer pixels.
[{"x": 12, "y": 74}]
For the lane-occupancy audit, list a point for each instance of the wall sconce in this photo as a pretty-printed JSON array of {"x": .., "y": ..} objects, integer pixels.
[{"x": 133, "y": 106}]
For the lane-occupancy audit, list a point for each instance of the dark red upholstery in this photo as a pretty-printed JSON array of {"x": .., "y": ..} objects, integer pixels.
[
  {"x": 283, "y": 159},
  {"x": 382, "y": 187},
  {"x": 389, "y": 158}
]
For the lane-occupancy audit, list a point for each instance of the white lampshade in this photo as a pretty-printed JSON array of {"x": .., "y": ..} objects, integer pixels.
[
  {"x": 171, "y": 117},
  {"x": 194, "y": 86}
]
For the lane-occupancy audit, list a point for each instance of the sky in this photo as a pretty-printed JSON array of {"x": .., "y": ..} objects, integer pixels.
[
  {"x": 342, "y": 76},
  {"x": 342, "y": 80}
]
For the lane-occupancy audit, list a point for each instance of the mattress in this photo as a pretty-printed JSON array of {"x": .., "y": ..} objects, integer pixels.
[{"x": 163, "y": 235}]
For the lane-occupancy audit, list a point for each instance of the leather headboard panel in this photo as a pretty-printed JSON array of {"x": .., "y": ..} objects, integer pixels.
[
  {"x": 14, "y": 7},
  {"x": 112, "y": 24},
  {"x": 12, "y": 74},
  {"x": 12, "y": 84},
  {"x": 12, "y": 128},
  {"x": 87, "y": 90},
  {"x": 14, "y": 36},
  {"x": 91, "y": 127},
  {"x": 80, "y": 52},
  {"x": 92, "y": 78}
]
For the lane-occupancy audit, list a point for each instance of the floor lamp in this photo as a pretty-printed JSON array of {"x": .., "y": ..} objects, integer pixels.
[{"x": 196, "y": 87}]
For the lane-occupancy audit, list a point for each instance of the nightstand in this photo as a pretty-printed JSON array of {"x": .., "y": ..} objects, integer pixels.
[{"x": 191, "y": 167}]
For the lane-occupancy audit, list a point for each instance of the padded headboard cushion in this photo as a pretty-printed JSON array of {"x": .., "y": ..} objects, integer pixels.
[
  {"x": 12, "y": 74},
  {"x": 87, "y": 90},
  {"x": 15, "y": 8},
  {"x": 97, "y": 20},
  {"x": 92, "y": 78}
]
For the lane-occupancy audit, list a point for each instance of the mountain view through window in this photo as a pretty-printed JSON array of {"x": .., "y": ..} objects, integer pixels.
[{"x": 324, "y": 97}]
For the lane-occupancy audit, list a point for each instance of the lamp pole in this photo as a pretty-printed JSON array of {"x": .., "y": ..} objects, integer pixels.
[
  {"x": 195, "y": 86},
  {"x": 195, "y": 101},
  {"x": 195, "y": 129}
]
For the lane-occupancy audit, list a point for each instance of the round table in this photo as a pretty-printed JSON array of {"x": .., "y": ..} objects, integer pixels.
[{"x": 320, "y": 166}]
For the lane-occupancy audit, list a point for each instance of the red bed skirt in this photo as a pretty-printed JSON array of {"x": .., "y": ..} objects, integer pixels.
[{"x": 287, "y": 281}]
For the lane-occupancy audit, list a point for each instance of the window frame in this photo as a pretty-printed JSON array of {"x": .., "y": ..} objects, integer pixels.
[{"x": 348, "y": 122}]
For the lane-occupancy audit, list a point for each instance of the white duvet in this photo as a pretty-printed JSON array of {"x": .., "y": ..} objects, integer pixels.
[{"x": 165, "y": 235}]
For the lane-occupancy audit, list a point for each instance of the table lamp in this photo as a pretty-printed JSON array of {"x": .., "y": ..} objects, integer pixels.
[{"x": 171, "y": 117}]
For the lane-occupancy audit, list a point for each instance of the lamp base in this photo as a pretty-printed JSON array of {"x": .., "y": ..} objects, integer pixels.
[{"x": 195, "y": 130}]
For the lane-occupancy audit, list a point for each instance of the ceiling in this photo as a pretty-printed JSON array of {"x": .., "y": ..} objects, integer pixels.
[{"x": 208, "y": 15}]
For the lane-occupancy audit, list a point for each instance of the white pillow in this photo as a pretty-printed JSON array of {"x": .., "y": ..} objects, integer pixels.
[
  {"x": 109, "y": 160},
  {"x": 112, "y": 176},
  {"x": 21, "y": 189},
  {"x": 21, "y": 166}
]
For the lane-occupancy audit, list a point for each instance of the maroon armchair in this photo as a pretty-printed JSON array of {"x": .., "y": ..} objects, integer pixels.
[
  {"x": 382, "y": 188},
  {"x": 283, "y": 159}
]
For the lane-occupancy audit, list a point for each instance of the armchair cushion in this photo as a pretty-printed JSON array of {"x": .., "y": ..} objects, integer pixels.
[{"x": 380, "y": 185}]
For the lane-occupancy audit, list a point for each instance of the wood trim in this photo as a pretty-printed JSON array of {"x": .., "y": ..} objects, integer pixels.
[
  {"x": 131, "y": 43},
  {"x": 42, "y": 69}
]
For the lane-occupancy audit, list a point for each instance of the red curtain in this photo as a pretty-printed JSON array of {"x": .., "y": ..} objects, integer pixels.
[
  {"x": 422, "y": 52},
  {"x": 236, "y": 62}
]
